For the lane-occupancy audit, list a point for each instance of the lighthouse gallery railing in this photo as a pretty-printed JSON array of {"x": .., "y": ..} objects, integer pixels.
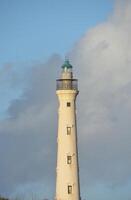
[{"x": 66, "y": 84}]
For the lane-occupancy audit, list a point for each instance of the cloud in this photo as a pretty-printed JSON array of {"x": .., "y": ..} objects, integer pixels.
[
  {"x": 28, "y": 135},
  {"x": 102, "y": 59}
]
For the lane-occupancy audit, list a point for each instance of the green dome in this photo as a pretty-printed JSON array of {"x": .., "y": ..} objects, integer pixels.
[{"x": 67, "y": 65}]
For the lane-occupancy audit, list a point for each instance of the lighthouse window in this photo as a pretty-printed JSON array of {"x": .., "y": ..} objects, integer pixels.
[
  {"x": 69, "y": 189},
  {"x": 68, "y": 104},
  {"x": 69, "y": 159},
  {"x": 68, "y": 130}
]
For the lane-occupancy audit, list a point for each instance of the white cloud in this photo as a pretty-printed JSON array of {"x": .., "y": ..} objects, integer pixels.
[{"x": 103, "y": 59}]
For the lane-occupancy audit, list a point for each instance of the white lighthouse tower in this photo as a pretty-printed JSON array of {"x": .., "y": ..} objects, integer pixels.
[{"x": 67, "y": 171}]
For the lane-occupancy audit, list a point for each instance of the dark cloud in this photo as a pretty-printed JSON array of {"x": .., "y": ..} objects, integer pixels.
[{"x": 28, "y": 136}]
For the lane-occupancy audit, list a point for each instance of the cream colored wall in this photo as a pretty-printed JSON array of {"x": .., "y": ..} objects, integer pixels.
[{"x": 67, "y": 174}]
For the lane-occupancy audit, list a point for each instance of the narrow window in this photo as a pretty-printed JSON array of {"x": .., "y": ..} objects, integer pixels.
[
  {"x": 68, "y": 130},
  {"x": 69, "y": 159},
  {"x": 69, "y": 189},
  {"x": 68, "y": 104}
]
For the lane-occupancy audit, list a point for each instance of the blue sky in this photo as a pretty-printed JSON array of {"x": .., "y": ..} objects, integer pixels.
[
  {"x": 33, "y": 30},
  {"x": 35, "y": 36}
]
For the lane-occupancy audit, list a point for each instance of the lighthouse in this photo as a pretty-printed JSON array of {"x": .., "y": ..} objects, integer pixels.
[{"x": 67, "y": 170}]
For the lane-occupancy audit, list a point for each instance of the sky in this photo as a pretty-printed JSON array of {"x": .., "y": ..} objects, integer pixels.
[
  {"x": 35, "y": 37},
  {"x": 32, "y": 31}
]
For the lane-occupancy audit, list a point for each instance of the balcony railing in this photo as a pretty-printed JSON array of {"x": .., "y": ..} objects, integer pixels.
[{"x": 66, "y": 84}]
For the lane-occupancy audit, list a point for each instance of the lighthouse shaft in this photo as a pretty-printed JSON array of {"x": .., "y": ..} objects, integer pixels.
[{"x": 67, "y": 171}]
